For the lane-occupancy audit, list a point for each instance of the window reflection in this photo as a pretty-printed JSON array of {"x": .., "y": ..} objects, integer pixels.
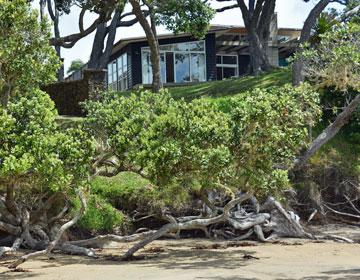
[
  {"x": 183, "y": 61},
  {"x": 198, "y": 69},
  {"x": 182, "y": 66},
  {"x": 118, "y": 74}
]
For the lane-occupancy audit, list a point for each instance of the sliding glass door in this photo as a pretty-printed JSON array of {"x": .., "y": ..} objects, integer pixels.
[{"x": 180, "y": 63}]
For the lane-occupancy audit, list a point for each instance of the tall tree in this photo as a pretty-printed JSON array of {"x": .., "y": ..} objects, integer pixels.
[
  {"x": 105, "y": 37},
  {"x": 257, "y": 16},
  {"x": 75, "y": 65},
  {"x": 192, "y": 16},
  {"x": 309, "y": 24}
]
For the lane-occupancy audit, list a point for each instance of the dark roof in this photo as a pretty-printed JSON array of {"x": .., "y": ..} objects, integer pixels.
[{"x": 213, "y": 29}]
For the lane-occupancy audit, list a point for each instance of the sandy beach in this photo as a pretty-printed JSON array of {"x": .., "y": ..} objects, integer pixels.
[{"x": 203, "y": 259}]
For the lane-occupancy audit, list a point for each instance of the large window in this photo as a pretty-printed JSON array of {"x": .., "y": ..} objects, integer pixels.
[
  {"x": 182, "y": 62},
  {"x": 147, "y": 69},
  {"x": 118, "y": 74},
  {"x": 227, "y": 66}
]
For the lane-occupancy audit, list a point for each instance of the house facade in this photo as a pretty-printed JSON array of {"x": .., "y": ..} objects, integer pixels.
[{"x": 223, "y": 53}]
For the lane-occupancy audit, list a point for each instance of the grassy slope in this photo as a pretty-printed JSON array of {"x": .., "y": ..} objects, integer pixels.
[{"x": 231, "y": 87}]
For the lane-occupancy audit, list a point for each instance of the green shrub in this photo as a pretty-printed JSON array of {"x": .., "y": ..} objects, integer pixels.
[
  {"x": 128, "y": 191},
  {"x": 188, "y": 147},
  {"x": 101, "y": 216}
]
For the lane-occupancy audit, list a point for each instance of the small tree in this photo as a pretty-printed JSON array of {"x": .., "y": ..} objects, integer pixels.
[
  {"x": 26, "y": 58},
  {"x": 203, "y": 148},
  {"x": 76, "y": 65}
]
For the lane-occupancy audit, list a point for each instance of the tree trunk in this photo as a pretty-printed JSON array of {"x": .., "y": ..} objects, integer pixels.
[
  {"x": 297, "y": 68},
  {"x": 258, "y": 56},
  {"x": 153, "y": 44},
  {"x": 99, "y": 57},
  {"x": 98, "y": 46},
  {"x": 329, "y": 132},
  {"x": 257, "y": 18}
]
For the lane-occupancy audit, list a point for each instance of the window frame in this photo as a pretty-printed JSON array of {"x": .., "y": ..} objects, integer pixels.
[{"x": 170, "y": 48}]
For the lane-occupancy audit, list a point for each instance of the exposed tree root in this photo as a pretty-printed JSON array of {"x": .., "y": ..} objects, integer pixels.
[
  {"x": 99, "y": 241},
  {"x": 53, "y": 244},
  {"x": 285, "y": 224},
  {"x": 234, "y": 221}
]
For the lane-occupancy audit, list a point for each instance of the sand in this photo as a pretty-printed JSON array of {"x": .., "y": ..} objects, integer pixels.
[{"x": 196, "y": 259}]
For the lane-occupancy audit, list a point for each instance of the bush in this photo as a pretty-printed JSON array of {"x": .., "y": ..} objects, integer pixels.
[
  {"x": 128, "y": 191},
  {"x": 101, "y": 216},
  {"x": 190, "y": 147}
]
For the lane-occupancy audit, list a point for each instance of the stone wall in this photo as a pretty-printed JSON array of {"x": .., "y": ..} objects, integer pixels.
[{"x": 68, "y": 95}]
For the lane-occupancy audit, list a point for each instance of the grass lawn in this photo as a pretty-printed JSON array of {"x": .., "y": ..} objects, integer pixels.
[{"x": 231, "y": 87}]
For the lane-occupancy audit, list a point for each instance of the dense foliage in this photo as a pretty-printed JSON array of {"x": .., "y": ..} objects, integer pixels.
[
  {"x": 200, "y": 145},
  {"x": 41, "y": 166},
  {"x": 192, "y": 16},
  {"x": 335, "y": 61},
  {"x": 35, "y": 156},
  {"x": 26, "y": 58}
]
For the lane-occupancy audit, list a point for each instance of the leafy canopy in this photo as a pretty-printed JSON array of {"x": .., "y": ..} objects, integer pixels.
[
  {"x": 335, "y": 61},
  {"x": 26, "y": 58},
  {"x": 75, "y": 65},
  {"x": 34, "y": 153},
  {"x": 192, "y": 16},
  {"x": 200, "y": 145}
]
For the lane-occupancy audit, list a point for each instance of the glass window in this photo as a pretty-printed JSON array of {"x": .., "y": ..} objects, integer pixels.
[
  {"x": 182, "y": 67},
  {"x": 163, "y": 67},
  {"x": 117, "y": 73},
  {"x": 198, "y": 67},
  {"x": 182, "y": 62},
  {"x": 110, "y": 73},
  {"x": 229, "y": 59},
  {"x": 125, "y": 63},
  {"x": 229, "y": 72},
  {"x": 166, "y": 48},
  {"x": 146, "y": 68},
  {"x": 197, "y": 46},
  {"x": 181, "y": 47},
  {"x": 120, "y": 65},
  {"x": 114, "y": 70},
  {"x": 218, "y": 59}
]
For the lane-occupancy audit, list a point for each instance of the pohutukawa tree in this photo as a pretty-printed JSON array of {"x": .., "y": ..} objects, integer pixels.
[
  {"x": 26, "y": 59},
  {"x": 226, "y": 155},
  {"x": 334, "y": 62},
  {"x": 110, "y": 17},
  {"x": 309, "y": 24},
  {"x": 41, "y": 167},
  {"x": 191, "y": 16}
]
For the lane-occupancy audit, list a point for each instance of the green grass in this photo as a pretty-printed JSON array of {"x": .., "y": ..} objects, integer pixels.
[
  {"x": 231, "y": 87},
  {"x": 125, "y": 190}
]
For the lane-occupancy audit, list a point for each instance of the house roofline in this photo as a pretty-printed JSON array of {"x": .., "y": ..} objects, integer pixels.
[{"x": 213, "y": 29}]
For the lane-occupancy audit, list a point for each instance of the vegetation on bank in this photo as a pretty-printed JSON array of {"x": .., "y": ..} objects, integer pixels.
[{"x": 128, "y": 191}]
